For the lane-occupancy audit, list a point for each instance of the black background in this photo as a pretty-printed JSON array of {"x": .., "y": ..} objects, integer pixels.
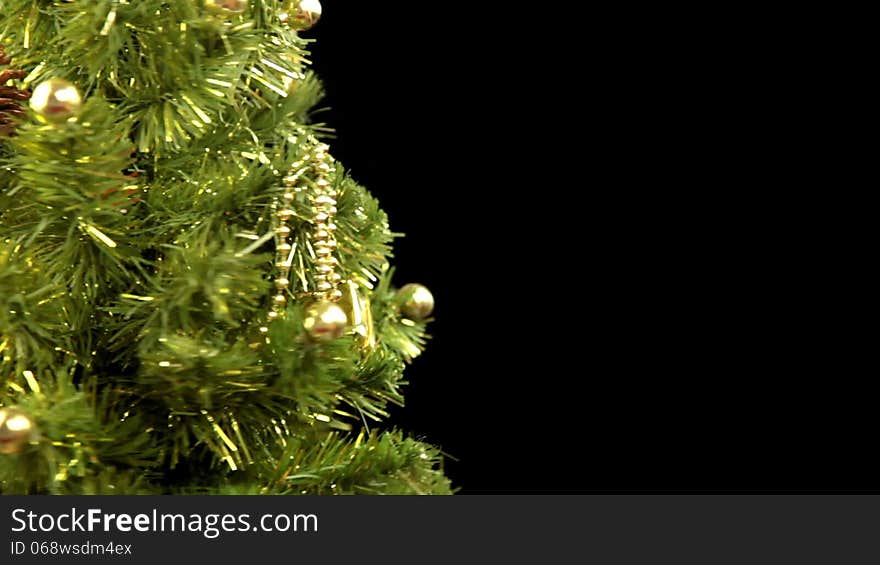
[
  {"x": 623, "y": 301},
  {"x": 406, "y": 93}
]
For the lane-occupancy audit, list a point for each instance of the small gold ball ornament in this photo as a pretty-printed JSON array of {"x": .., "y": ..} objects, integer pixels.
[
  {"x": 16, "y": 430},
  {"x": 227, "y": 7},
  {"x": 56, "y": 100},
  {"x": 325, "y": 321},
  {"x": 301, "y": 15},
  {"x": 416, "y": 301}
]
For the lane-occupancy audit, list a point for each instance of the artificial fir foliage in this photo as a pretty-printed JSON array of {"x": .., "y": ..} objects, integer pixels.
[{"x": 195, "y": 297}]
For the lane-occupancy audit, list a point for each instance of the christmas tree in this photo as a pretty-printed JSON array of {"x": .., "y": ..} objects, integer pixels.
[{"x": 195, "y": 297}]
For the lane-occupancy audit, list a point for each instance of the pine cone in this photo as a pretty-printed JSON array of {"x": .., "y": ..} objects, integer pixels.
[{"x": 10, "y": 96}]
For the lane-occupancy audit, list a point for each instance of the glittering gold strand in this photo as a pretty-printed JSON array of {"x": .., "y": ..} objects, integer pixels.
[
  {"x": 323, "y": 236},
  {"x": 321, "y": 239},
  {"x": 335, "y": 305}
]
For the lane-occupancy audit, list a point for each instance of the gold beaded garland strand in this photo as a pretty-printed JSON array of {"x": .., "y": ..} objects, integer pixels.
[
  {"x": 323, "y": 236},
  {"x": 321, "y": 239}
]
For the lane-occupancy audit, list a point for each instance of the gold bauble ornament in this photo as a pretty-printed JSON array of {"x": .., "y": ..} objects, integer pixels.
[
  {"x": 16, "y": 430},
  {"x": 416, "y": 301},
  {"x": 56, "y": 100},
  {"x": 227, "y": 7},
  {"x": 325, "y": 321},
  {"x": 301, "y": 15}
]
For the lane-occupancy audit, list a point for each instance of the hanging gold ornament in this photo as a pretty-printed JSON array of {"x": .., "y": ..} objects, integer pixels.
[
  {"x": 360, "y": 315},
  {"x": 56, "y": 100},
  {"x": 325, "y": 321},
  {"x": 16, "y": 430},
  {"x": 301, "y": 15},
  {"x": 227, "y": 7},
  {"x": 416, "y": 301}
]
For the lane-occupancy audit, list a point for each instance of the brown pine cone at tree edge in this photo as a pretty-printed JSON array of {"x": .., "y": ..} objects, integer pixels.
[{"x": 10, "y": 96}]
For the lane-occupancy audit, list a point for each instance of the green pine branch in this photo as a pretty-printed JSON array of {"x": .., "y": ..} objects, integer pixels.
[{"x": 137, "y": 265}]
